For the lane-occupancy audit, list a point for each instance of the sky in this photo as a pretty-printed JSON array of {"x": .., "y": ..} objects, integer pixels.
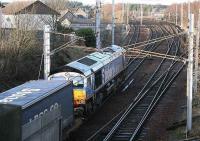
[
  {"x": 166, "y": 2},
  {"x": 92, "y": 2}
]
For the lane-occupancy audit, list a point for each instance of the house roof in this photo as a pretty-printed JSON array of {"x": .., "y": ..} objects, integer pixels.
[
  {"x": 32, "y": 7},
  {"x": 74, "y": 9},
  {"x": 64, "y": 12},
  {"x": 82, "y": 21},
  {"x": 1, "y": 5}
]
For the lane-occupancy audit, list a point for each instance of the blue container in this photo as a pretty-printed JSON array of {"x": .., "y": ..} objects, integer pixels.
[{"x": 38, "y": 97}]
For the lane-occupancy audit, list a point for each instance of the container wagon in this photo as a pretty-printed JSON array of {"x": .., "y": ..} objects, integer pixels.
[{"x": 33, "y": 111}]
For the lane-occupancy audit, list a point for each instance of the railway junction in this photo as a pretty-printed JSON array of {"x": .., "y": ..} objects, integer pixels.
[
  {"x": 149, "y": 92},
  {"x": 139, "y": 88}
]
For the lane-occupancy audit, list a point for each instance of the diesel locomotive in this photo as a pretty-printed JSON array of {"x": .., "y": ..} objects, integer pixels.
[{"x": 94, "y": 76}]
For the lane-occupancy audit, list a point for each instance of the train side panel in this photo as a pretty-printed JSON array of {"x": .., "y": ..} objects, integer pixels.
[
  {"x": 113, "y": 68},
  {"x": 39, "y": 97}
]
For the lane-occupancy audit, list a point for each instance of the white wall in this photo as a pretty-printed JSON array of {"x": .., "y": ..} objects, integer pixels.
[
  {"x": 79, "y": 26},
  {"x": 1, "y": 18},
  {"x": 27, "y": 21},
  {"x": 66, "y": 23}
]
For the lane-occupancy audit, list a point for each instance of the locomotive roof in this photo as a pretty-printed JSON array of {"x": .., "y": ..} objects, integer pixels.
[{"x": 96, "y": 60}]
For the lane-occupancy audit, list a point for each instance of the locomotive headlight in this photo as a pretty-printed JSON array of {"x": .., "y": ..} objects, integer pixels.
[{"x": 79, "y": 96}]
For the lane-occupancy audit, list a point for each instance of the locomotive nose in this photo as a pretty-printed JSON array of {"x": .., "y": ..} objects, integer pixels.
[{"x": 79, "y": 96}]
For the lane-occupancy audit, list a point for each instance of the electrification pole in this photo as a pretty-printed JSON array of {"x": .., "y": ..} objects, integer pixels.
[
  {"x": 46, "y": 50},
  {"x": 181, "y": 15},
  {"x": 123, "y": 12},
  {"x": 127, "y": 13},
  {"x": 1, "y": 17},
  {"x": 196, "y": 67},
  {"x": 190, "y": 73},
  {"x": 113, "y": 22},
  {"x": 123, "y": 9},
  {"x": 176, "y": 15},
  {"x": 98, "y": 24},
  {"x": 189, "y": 10},
  {"x": 169, "y": 17},
  {"x": 141, "y": 14}
]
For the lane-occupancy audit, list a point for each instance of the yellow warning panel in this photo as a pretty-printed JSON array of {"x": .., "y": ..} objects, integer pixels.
[{"x": 79, "y": 96}]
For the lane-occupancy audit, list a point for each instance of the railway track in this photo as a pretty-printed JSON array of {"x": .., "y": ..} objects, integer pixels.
[
  {"x": 137, "y": 62},
  {"x": 128, "y": 124}
]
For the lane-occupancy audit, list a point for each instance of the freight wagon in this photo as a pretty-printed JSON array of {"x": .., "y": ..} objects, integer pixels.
[{"x": 36, "y": 110}]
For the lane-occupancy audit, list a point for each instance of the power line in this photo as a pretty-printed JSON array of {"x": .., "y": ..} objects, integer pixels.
[
  {"x": 156, "y": 40},
  {"x": 159, "y": 55},
  {"x": 63, "y": 46}
]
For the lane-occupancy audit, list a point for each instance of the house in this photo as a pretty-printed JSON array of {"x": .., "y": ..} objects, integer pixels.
[
  {"x": 28, "y": 15},
  {"x": 79, "y": 12},
  {"x": 76, "y": 19},
  {"x": 65, "y": 17},
  {"x": 1, "y": 17},
  {"x": 2, "y": 5},
  {"x": 78, "y": 23},
  {"x": 69, "y": 20}
]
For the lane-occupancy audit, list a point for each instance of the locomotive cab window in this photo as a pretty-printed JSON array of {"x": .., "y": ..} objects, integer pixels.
[{"x": 98, "y": 78}]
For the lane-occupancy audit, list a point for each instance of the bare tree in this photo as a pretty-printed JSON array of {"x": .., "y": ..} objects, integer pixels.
[
  {"x": 18, "y": 50},
  {"x": 56, "y": 4},
  {"x": 194, "y": 9}
]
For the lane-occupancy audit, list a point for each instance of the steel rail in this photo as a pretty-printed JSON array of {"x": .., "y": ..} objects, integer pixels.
[
  {"x": 164, "y": 74},
  {"x": 109, "y": 135},
  {"x": 155, "y": 101}
]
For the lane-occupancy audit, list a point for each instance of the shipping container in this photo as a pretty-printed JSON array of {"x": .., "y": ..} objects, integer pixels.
[{"x": 37, "y": 98}]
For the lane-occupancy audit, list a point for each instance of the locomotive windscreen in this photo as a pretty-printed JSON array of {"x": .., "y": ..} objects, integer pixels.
[{"x": 65, "y": 69}]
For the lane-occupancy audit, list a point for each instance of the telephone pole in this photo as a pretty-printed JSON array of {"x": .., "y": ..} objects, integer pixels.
[
  {"x": 113, "y": 22},
  {"x": 46, "y": 50},
  {"x": 141, "y": 14},
  {"x": 190, "y": 73},
  {"x": 98, "y": 24},
  {"x": 196, "y": 67}
]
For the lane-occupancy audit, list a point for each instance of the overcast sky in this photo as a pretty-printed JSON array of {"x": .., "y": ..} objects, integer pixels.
[{"x": 167, "y": 2}]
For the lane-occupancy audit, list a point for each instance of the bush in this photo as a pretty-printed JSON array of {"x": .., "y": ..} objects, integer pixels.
[
  {"x": 63, "y": 29},
  {"x": 89, "y": 36}
]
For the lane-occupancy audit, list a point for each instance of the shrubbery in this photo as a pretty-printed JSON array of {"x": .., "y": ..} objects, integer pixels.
[
  {"x": 89, "y": 36},
  {"x": 63, "y": 29}
]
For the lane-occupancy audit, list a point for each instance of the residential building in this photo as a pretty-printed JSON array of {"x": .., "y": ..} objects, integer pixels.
[
  {"x": 28, "y": 15},
  {"x": 76, "y": 19}
]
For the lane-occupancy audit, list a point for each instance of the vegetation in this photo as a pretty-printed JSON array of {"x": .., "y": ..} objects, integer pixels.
[
  {"x": 21, "y": 54},
  {"x": 171, "y": 10},
  {"x": 63, "y": 29},
  {"x": 56, "y": 4},
  {"x": 74, "y": 4},
  {"x": 88, "y": 35}
]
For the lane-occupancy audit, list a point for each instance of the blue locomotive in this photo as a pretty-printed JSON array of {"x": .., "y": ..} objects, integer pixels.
[{"x": 94, "y": 76}]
